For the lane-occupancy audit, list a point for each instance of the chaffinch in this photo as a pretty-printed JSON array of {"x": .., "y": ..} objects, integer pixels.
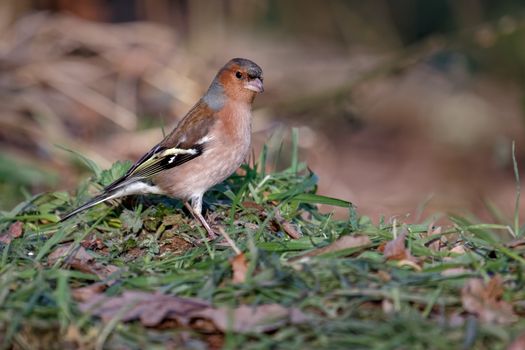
[{"x": 206, "y": 147}]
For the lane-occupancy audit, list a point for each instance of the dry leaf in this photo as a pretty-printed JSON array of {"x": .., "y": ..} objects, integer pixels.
[
  {"x": 79, "y": 254},
  {"x": 15, "y": 231},
  {"x": 80, "y": 259},
  {"x": 344, "y": 242},
  {"x": 252, "y": 205},
  {"x": 484, "y": 300},
  {"x": 290, "y": 230},
  {"x": 240, "y": 268},
  {"x": 88, "y": 292},
  {"x": 93, "y": 242},
  {"x": 287, "y": 226},
  {"x": 260, "y": 319},
  {"x": 153, "y": 308},
  {"x": 395, "y": 250},
  {"x": 150, "y": 308}
]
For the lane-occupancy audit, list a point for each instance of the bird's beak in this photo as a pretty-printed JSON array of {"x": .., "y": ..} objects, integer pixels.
[{"x": 255, "y": 85}]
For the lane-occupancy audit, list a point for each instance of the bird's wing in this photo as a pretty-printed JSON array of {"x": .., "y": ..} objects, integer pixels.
[{"x": 186, "y": 142}]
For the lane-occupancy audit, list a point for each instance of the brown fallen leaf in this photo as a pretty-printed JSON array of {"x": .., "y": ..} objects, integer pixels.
[
  {"x": 93, "y": 242},
  {"x": 396, "y": 250},
  {"x": 15, "y": 231},
  {"x": 381, "y": 247},
  {"x": 240, "y": 268},
  {"x": 290, "y": 230},
  {"x": 259, "y": 319},
  {"x": 342, "y": 243},
  {"x": 252, "y": 205},
  {"x": 287, "y": 226},
  {"x": 79, "y": 254},
  {"x": 152, "y": 308},
  {"x": 88, "y": 292},
  {"x": 80, "y": 259},
  {"x": 484, "y": 300}
]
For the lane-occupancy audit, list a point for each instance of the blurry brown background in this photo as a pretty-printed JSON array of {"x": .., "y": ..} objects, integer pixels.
[{"x": 404, "y": 107}]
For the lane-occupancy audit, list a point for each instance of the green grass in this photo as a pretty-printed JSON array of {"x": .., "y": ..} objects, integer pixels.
[{"x": 354, "y": 298}]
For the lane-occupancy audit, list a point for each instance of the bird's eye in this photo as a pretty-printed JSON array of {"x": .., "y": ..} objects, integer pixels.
[{"x": 238, "y": 75}]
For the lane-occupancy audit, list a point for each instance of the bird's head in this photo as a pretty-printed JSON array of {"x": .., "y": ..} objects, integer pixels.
[
  {"x": 240, "y": 79},
  {"x": 243, "y": 74}
]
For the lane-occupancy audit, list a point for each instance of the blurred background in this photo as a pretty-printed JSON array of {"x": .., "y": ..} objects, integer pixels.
[{"x": 404, "y": 107}]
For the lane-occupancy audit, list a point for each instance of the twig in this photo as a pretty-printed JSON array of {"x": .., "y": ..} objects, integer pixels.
[{"x": 230, "y": 241}]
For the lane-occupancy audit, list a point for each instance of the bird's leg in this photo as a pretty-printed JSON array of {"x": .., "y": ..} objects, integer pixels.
[{"x": 196, "y": 210}]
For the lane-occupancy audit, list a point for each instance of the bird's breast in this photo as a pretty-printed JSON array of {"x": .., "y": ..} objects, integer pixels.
[
  {"x": 226, "y": 148},
  {"x": 231, "y": 139}
]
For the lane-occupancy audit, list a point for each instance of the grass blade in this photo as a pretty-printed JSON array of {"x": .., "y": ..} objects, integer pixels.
[
  {"x": 312, "y": 198},
  {"x": 518, "y": 191},
  {"x": 295, "y": 151},
  {"x": 91, "y": 165}
]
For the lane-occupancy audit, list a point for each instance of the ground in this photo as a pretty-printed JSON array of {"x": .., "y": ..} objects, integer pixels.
[{"x": 142, "y": 274}]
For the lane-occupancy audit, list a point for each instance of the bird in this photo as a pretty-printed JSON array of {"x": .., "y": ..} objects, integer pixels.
[{"x": 208, "y": 145}]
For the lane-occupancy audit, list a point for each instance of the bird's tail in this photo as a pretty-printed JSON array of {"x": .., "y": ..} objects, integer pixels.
[
  {"x": 137, "y": 187},
  {"x": 105, "y": 196}
]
